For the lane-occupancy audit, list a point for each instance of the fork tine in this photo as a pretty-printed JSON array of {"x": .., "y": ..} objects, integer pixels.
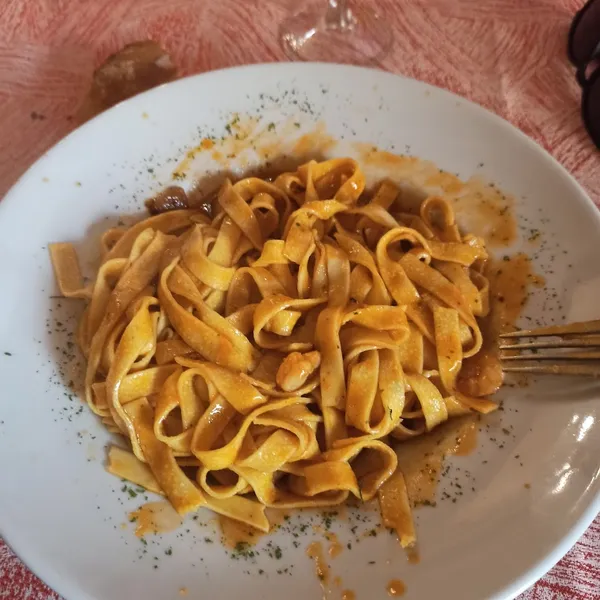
[
  {"x": 582, "y": 327},
  {"x": 564, "y": 343},
  {"x": 565, "y": 356},
  {"x": 589, "y": 370}
]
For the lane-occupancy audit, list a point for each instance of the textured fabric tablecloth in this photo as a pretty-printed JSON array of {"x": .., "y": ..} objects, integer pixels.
[{"x": 508, "y": 55}]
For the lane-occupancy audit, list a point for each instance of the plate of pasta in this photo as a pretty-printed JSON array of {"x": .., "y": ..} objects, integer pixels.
[{"x": 250, "y": 346}]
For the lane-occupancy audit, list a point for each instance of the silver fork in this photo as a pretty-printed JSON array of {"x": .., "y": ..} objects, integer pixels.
[{"x": 574, "y": 349}]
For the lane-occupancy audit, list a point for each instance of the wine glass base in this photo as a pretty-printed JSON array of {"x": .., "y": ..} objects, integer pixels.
[{"x": 360, "y": 36}]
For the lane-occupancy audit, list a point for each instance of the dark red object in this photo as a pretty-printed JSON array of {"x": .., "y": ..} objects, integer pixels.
[{"x": 584, "y": 52}]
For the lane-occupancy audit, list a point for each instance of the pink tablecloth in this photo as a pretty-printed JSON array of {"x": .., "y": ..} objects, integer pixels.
[{"x": 508, "y": 55}]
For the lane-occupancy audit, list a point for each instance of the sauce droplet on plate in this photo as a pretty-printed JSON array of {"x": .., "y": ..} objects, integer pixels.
[
  {"x": 396, "y": 587},
  {"x": 335, "y": 547}
]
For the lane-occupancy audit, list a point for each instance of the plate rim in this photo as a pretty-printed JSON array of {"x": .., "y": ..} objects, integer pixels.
[{"x": 531, "y": 573}]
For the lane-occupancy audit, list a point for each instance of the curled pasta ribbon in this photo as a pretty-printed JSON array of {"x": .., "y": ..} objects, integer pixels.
[
  {"x": 210, "y": 272},
  {"x": 214, "y": 421},
  {"x": 250, "y": 286},
  {"x": 311, "y": 218},
  {"x": 376, "y": 388},
  {"x": 437, "y": 285},
  {"x": 339, "y": 179},
  {"x": 395, "y": 509},
  {"x": 146, "y": 382},
  {"x": 275, "y": 319},
  {"x": 209, "y": 333},
  {"x": 376, "y": 293},
  {"x": 167, "y": 223},
  {"x": 267, "y": 351},
  {"x": 450, "y": 353},
  {"x": 137, "y": 339},
  {"x": 398, "y": 282},
  {"x": 372, "y": 463},
  {"x": 134, "y": 279}
]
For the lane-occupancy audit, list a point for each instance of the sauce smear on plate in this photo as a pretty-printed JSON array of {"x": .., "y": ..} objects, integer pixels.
[
  {"x": 235, "y": 532},
  {"x": 315, "y": 551},
  {"x": 421, "y": 459},
  {"x": 155, "y": 517}
]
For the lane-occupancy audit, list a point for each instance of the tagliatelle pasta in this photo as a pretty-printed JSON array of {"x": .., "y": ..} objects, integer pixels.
[{"x": 271, "y": 350}]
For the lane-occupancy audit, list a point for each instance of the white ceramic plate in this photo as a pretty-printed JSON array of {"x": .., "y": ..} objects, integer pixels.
[{"x": 63, "y": 514}]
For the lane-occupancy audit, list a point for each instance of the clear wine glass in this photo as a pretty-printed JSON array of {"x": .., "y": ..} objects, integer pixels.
[{"x": 343, "y": 31}]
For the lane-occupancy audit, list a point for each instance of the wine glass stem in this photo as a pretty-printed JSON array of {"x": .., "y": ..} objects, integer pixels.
[{"x": 338, "y": 15}]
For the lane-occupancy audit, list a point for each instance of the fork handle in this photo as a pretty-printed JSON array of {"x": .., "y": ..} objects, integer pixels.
[{"x": 587, "y": 370}]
